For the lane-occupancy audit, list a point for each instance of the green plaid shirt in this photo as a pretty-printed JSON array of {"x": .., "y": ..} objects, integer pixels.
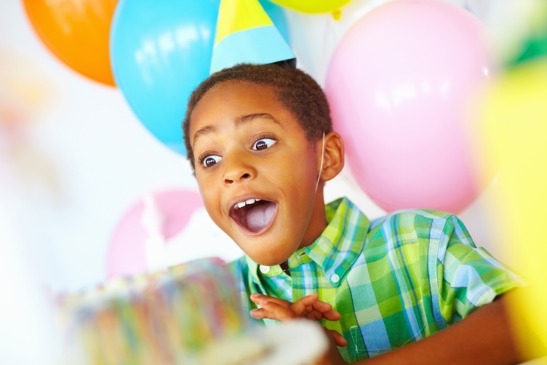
[{"x": 394, "y": 280}]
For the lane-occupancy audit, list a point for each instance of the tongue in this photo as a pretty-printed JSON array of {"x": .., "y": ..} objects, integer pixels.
[{"x": 259, "y": 216}]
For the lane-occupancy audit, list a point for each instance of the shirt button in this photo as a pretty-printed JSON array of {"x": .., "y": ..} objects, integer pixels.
[
  {"x": 335, "y": 278},
  {"x": 264, "y": 269}
]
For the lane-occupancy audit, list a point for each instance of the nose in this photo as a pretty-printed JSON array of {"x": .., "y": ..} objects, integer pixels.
[{"x": 237, "y": 170}]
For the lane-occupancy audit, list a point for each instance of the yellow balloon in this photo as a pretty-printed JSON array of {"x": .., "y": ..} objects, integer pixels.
[
  {"x": 514, "y": 121},
  {"x": 312, "y": 6}
]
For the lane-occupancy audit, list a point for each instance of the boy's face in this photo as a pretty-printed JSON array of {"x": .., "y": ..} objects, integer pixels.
[{"x": 256, "y": 170}]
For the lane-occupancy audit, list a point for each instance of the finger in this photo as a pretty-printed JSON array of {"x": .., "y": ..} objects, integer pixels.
[
  {"x": 322, "y": 306},
  {"x": 262, "y": 299},
  {"x": 326, "y": 310},
  {"x": 338, "y": 338},
  {"x": 300, "y": 306},
  {"x": 332, "y": 356},
  {"x": 329, "y": 316},
  {"x": 312, "y": 314},
  {"x": 316, "y": 315},
  {"x": 258, "y": 313},
  {"x": 273, "y": 311},
  {"x": 332, "y": 316}
]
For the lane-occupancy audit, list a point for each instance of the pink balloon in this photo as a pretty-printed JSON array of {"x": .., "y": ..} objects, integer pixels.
[
  {"x": 399, "y": 83},
  {"x": 126, "y": 254}
]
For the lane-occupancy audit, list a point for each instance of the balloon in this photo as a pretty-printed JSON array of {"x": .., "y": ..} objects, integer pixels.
[
  {"x": 315, "y": 6},
  {"x": 398, "y": 84},
  {"x": 513, "y": 137},
  {"x": 167, "y": 211},
  {"x": 161, "y": 50},
  {"x": 77, "y": 32}
]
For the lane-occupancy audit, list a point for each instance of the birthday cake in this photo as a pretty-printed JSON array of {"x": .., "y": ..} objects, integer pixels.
[
  {"x": 186, "y": 314},
  {"x": 164, "y": 317}
]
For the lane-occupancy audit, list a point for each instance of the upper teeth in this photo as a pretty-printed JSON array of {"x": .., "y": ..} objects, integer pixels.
[{"x": 244, "y": 203}]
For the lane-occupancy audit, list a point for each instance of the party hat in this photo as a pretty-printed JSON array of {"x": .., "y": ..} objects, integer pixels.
[{"x": 246, "y": 34}]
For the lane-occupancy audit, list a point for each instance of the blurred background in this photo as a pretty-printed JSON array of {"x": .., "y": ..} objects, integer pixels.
[
  {"x": 89, "y": 189},
  {"x": 75, "y": 159}
]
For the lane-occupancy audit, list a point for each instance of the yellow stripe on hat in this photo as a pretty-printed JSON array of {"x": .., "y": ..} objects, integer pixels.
[{"x": 237, "y": 15}]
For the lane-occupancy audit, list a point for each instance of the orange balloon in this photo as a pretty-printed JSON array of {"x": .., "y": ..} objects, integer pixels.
[{"x": 77, "y": 32}]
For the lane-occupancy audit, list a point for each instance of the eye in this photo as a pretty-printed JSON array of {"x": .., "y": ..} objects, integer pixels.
[
  {"x": 210, "y": 160},
  {"x": 263, "y": 143}
]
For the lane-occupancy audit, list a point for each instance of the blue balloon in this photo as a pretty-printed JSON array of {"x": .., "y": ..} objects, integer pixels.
[{"x": 160, "y": 52}]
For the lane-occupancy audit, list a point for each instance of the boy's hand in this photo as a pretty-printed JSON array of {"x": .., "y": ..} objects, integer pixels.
[
  {"x": 332, "y": 355},
  {"x": 309, "y": 307}
]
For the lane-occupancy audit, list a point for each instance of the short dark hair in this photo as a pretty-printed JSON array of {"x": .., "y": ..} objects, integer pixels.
[{"x": 296, "y": 90}]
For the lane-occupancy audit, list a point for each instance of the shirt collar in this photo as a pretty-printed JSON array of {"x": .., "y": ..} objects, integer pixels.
[{"x": 336, "y": 249}]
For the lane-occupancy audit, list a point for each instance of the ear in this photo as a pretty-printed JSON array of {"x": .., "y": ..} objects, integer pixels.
[{"x": 333, "y": 159}]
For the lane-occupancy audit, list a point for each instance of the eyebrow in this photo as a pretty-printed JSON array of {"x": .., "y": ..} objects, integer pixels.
[
  {"x": 244, "y": 119},
  {"x": 250, "y": 117}
]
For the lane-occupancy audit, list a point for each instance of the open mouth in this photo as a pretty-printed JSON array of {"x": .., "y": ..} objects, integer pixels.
[{"x": 254, "y": 215}]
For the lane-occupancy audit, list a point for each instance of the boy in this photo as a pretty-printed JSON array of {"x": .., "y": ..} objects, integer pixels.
[{"x": 260, "y": 140}]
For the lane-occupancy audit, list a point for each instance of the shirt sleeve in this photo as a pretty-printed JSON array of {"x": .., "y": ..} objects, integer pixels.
[{"x": 467, "y": 276}]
